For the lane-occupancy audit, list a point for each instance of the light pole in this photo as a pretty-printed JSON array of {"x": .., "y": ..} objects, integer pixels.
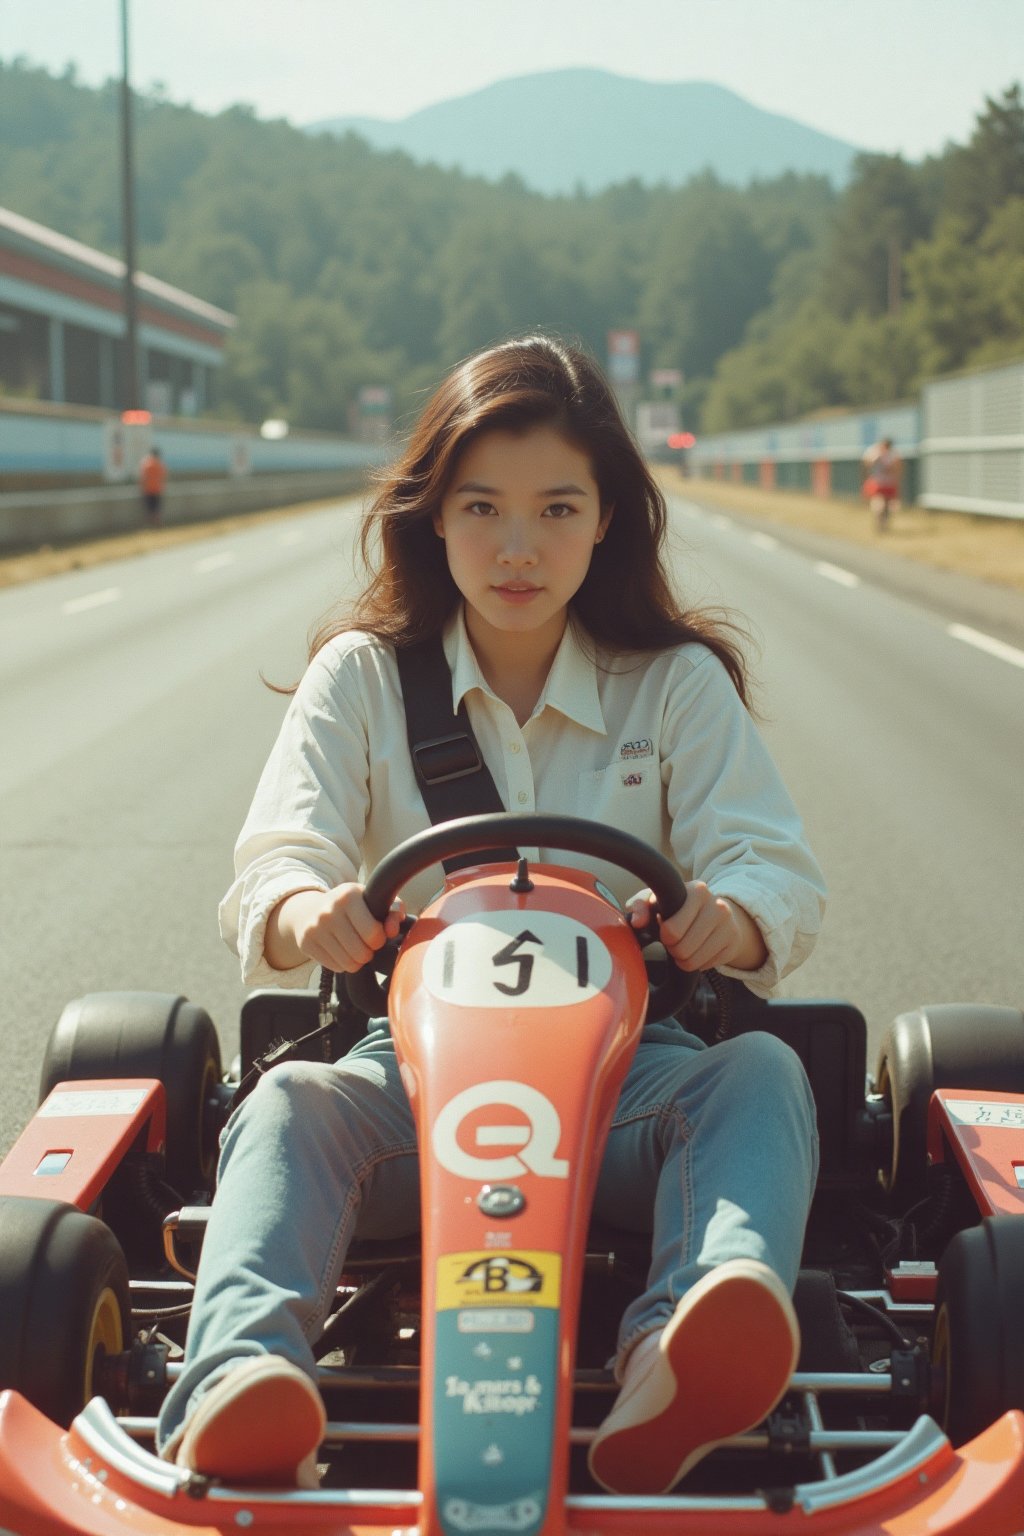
[{"x": 130, "y": 399}]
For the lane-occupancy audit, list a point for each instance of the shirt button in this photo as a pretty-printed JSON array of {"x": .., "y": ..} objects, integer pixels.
[
  {"x": 514, "y": 746},
  {"x": 522, "y": 797}
]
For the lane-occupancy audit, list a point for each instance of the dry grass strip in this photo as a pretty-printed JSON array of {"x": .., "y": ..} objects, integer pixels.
[{"x": 989, "y": 548}]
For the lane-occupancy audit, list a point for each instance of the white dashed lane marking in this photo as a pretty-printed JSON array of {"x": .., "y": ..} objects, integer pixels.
[
  {"x": 845, "y": 578},
  {"x": 987, "y": 643},
  {"x": 214, "y": 562},
  {"x": 91, "y": 600},
  {"x": 837, "y": 574}
]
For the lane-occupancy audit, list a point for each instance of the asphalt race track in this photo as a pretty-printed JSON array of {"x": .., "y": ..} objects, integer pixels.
[{"x": 134, "y": 724}]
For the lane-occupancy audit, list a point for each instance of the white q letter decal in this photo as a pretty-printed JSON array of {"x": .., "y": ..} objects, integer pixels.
[{"x": 539, "y": 1141}]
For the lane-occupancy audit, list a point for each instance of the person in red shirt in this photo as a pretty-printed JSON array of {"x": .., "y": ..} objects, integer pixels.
[
  {"x": 882, "y": 472},
  {"x": 152, "y": 479}
]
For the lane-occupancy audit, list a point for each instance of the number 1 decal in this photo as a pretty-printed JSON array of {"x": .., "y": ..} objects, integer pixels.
[{"x": 491, "y": 959}]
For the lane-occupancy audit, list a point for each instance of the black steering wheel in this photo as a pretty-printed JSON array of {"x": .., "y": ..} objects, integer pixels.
[{"x": 479, "y": 834}]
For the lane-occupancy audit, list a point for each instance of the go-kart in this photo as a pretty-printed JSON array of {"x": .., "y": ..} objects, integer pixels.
[{"x": 464, "y": 1372}]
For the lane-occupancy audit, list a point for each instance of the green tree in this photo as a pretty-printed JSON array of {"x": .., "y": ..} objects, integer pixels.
[
  {"x": 879, "y": 219},
  {"x": 879, "y": 358},
  {"x": 990, "y": 168},
  {"x": 951, "y": 307},
  {"x": 1002, "y": 255},
  {"x": 709, "y": 274},
  {"x": 214, "y": 265}
]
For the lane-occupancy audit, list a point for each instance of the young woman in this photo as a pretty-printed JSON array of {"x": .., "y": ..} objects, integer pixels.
[{"x": 520, "y": 524}]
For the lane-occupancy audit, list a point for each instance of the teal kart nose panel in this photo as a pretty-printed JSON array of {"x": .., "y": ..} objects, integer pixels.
[{"x": 494, "y": 1399}]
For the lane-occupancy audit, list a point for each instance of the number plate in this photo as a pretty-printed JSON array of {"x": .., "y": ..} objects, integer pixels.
[
  {"x": 981, "y": 1112},
  {"x": 517, "y": 959}
]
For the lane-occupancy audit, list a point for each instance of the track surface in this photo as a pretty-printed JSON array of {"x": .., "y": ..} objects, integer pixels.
[{"x": 135, "y": 724}]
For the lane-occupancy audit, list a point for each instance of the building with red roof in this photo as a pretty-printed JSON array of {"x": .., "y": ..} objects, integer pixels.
[{"x": 62, "y": 327}]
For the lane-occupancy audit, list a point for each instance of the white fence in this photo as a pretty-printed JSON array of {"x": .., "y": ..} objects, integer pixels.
[{"x": 972, "y": 442}]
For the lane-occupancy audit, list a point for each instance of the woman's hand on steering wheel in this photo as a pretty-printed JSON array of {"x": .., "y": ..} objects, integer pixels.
[
  {"x": 335, "y": 928},
  {"x": 708, "y": 931}
]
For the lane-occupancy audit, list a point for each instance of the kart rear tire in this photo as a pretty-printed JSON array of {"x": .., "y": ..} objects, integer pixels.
[
  {"x": 64, "y": 1303},
  {"x": 946, "y": 1045},
  {"x": 978, "y": 1348},
  {"x": 148, "y": 1034}
]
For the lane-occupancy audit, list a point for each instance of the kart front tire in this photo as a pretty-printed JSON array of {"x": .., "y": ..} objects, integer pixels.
[
  {"x": 978, "y": 1348},
  {"x": 64, "y": 1303},
  {"x": 148, "y": 1034},
  {"x": 946, "y": 1045}
]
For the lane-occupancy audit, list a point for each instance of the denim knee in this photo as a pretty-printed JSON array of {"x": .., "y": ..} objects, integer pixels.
[
  {"x": 291, "y": 1099},
  {"x": 296, "y": 1081},
  {"x": 763, "y": 1057},
  {"x": 768, "y": 1071}
]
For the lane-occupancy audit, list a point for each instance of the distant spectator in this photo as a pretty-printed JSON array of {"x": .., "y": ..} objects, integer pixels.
[
  {"x": 882, "y": 472},
  {"x": 152, "y": 479}
]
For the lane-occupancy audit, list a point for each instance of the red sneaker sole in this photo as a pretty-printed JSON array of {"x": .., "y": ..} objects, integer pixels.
[{"x": 732, "y": 1353}]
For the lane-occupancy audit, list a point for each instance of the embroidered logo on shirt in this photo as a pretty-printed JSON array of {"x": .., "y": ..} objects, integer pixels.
[
  {"x": 643, "y": 747},
  {"x": 629, "y": 779}
]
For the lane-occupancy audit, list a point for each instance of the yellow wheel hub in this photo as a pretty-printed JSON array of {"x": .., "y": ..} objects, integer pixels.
[{"x": 106, "y": 1334}]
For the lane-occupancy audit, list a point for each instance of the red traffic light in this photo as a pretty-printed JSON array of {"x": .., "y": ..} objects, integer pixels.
[{"x": 681, "y": 440}]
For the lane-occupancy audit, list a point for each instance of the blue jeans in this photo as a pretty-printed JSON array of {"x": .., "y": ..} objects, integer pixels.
[{"x": 713, "y": 1150}]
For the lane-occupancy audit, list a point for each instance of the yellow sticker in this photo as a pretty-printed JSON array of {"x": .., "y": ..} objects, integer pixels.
[{"x": 519, "y": 1278}]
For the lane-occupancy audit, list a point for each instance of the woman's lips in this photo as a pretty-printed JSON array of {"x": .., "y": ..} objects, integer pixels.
[{"x": 514, "y": 592}]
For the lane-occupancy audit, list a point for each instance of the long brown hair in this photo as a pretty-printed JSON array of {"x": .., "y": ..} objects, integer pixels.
[{"x": 625, "y": 603}]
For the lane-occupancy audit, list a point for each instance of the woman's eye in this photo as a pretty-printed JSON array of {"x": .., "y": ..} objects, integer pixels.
[
  {"x": 558, "y": 510},
  {"x": 480, "y": 508}
]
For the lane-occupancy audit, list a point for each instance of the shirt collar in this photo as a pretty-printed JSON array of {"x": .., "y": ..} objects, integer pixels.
[{"x": 571, "y": 685}]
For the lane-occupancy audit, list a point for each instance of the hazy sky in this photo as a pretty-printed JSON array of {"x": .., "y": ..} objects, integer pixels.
[{"x": 892, "y": 75}]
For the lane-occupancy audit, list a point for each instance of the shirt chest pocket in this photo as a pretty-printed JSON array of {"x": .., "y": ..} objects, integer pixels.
[{"x": 627, "y": 795}]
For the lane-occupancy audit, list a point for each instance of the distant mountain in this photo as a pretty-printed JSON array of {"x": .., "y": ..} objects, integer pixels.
[{"x": 590, "y": 128}]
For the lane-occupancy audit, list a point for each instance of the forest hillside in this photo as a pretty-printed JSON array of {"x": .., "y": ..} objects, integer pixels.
[{"x": 348, "y": 265}]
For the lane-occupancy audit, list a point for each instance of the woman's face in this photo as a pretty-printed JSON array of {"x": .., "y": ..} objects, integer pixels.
[{"x": 520, "y": 520}]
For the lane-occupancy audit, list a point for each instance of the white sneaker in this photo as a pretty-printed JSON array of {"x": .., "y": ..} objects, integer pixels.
[
  {"x": 260, "y": 1426},
  {"x": 718, "y": 1368}
]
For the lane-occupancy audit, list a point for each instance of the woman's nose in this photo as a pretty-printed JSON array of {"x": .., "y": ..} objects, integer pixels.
[{"x": 517, "y": 548}]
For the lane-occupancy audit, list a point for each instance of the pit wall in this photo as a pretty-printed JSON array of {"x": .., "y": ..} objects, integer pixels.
[{"x": 69, "y": 473}]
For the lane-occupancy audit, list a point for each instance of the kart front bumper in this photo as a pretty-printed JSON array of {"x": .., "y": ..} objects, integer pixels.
[{"x": 94, "y": 1480}]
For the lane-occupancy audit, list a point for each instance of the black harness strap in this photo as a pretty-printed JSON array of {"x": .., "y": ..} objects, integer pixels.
[{"x": 450, "y": 770}]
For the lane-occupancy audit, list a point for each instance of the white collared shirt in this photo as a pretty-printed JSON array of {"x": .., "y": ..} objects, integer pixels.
[{"x": 661, "y": 746}]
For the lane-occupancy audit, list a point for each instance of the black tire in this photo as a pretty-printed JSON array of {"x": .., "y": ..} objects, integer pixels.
[
  {"x": 148, "y": 1034},
  {"x": 64, "y": 1302},
  {"x": 947, "y": 1045},
  {"x": 978, "y": 1348}
]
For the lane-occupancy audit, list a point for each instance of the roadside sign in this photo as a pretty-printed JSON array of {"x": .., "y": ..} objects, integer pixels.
[
  {"x": 656, "y": 422},
  {"x": 624, "y": 357}
]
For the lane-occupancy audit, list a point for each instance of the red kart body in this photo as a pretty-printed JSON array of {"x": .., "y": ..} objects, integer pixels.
[{"x": 516, "y": 1003}]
